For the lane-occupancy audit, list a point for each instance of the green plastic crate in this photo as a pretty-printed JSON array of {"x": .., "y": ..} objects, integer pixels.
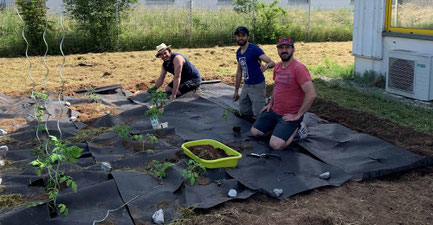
[{"x": 230, "y": 161}]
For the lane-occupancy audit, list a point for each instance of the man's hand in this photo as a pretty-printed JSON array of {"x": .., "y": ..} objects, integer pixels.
[
  {"x": 172, "y": 97},
  {"x": 236, "y": 96},
  {"x": 266, "y": 108},
  {"x": 291, "y": 117},
  {"x": 263, "y": 67}
]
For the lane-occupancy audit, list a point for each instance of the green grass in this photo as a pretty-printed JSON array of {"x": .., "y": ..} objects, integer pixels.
[
  {"x": 143, "y": 29},
  {"x": 348, "y": 94},
  {"x": 377, "y": 104},
  {"x": 332, "y": 70}
]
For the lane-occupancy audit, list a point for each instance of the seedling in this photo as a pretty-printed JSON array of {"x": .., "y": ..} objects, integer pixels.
[
  {"x": 50, "y": 163},
  {"x": 40, "y": 95},
  {"x": 39, "y": 109},
  {"x": 192, "y": 171},
  {"x": 138, "y": 137},
  {"x": 90, "y": 94},
  {"x": 227, "y": 111},
  {"x": 158, "y": 169},
  {"x": 152, "y": 138},
  {"x": 123, "y": 131},
  {"x": 159, "y": 100}
]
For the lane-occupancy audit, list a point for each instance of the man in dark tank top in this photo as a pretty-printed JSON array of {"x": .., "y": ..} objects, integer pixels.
[{"x": 186, "y": 76}]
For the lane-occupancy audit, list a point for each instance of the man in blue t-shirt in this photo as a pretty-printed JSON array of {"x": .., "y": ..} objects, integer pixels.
[
  {"x": 186, "y": 76},
  {"x": 249, "y": 57}
]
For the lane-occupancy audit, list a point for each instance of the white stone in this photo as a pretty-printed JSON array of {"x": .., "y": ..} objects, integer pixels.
[
  {"x": 3, "y": 150},
  {"x": 233, "y": 193},
  {"x": 158, "y": 217},
  {"x": 106, "y": 166},
  {"x": 2, "y": 163},
  {"x": 73, "y": 118},
  {"x": 67, "y": 103},
  {"x": 3, "y": 132},
  {"x": 325, "y": 175},
  {"x": 1, "y": 180},
  {"x": 278, "y": 192}
]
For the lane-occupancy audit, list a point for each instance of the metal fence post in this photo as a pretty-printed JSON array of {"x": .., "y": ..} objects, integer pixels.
[
  {"x": 254, "y": 19},
  {"x": 190, "y": 22},
  {"x": 309, "y": 20},
  {"x": 117, "y": 25}
]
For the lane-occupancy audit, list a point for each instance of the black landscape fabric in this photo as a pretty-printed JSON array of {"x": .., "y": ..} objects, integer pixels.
[
  {"x": 361, "y": 155},
  {"x": 339, "y": 151}
]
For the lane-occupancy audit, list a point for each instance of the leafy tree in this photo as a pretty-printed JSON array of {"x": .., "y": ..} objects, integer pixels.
[
  {"x": 267, "y": 17},
  {"x": 97, "y": 19},
  {"x": 34, "y": 14},
  {"x": 268, "y": 27},
  {"x": 244, "y": 6}
]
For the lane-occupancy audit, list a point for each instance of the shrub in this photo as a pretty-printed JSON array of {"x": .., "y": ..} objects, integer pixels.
[
  {"x": 34, "y": 14},
  {"x": 97, "y": 19}
]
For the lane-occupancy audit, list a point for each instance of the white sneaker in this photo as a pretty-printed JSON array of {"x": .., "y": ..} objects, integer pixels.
[{"x": 302, "y": 132}]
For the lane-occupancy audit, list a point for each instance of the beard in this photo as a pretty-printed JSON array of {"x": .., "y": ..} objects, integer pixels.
[
  {"x": 241, "y": 42},
  {"x": 286, "y": 57}
]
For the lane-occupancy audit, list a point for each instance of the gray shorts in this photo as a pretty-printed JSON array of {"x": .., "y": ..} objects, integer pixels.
[
  {"x": 252, "y": 99},
  {"x": 272, "y": 120}
]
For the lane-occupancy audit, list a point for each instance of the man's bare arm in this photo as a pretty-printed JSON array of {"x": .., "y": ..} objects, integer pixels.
[{"x": 178, "y": 65}]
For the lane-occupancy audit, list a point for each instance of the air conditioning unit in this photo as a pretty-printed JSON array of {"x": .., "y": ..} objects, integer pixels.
[{"x": 410, "y": 74}]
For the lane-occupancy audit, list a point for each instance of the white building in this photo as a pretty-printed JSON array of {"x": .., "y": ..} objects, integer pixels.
[
  {"x": 392, "y": 38},
  {"x": 218, "y": 4}
]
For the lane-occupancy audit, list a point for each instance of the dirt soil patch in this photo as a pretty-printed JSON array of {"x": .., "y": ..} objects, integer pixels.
[
  {"x": 207, "y": 152},
  {"x": 91, "y": 112},
  {"x": 402, "y": 136},
  {"x": 12, "y": 125}
]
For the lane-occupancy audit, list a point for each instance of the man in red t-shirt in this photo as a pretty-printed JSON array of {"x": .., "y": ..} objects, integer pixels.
[{"x": 293, "y": 96}]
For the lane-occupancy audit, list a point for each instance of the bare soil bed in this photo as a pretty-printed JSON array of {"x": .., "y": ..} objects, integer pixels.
[{"x": 208, "y": 152}]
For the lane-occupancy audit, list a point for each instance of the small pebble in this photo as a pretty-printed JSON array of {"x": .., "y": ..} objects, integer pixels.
[
  {"x": 2, "y": 163},
  {"x": 233, "y": 193},
  {"x": 4, "y": 148},
  {"x": 73, "y": 119},
  {"x": 3, "y": 132},
  {"x": 106, "y": 166},
  {"x": 158, "y": 217},
  {"x": 1, "y": 180},
  {"x": 278, "y": 192},
  {"x": 67, "y": 103},
  {"x": 325, "y": 175}
]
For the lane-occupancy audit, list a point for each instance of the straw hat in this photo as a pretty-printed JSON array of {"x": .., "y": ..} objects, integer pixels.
[{"x": 160, "y": 48}]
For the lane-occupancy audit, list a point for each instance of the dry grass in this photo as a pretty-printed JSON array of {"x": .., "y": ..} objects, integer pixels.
[
  {"x": 136, "y": 70},
  {"x": 93, "y": 111},
  {"x": 12, "y": 125},
  {"x": 10, "y": 200}
]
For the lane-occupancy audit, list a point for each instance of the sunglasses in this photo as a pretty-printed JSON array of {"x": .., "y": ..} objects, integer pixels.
[{"x": 285, "y": 40}]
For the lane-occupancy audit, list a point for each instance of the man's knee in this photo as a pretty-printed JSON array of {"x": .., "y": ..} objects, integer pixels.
[
  {"x": 277, "y": 143},
  {"x": 256, "y": 133},
  {"x": 277, "y": 146}
]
